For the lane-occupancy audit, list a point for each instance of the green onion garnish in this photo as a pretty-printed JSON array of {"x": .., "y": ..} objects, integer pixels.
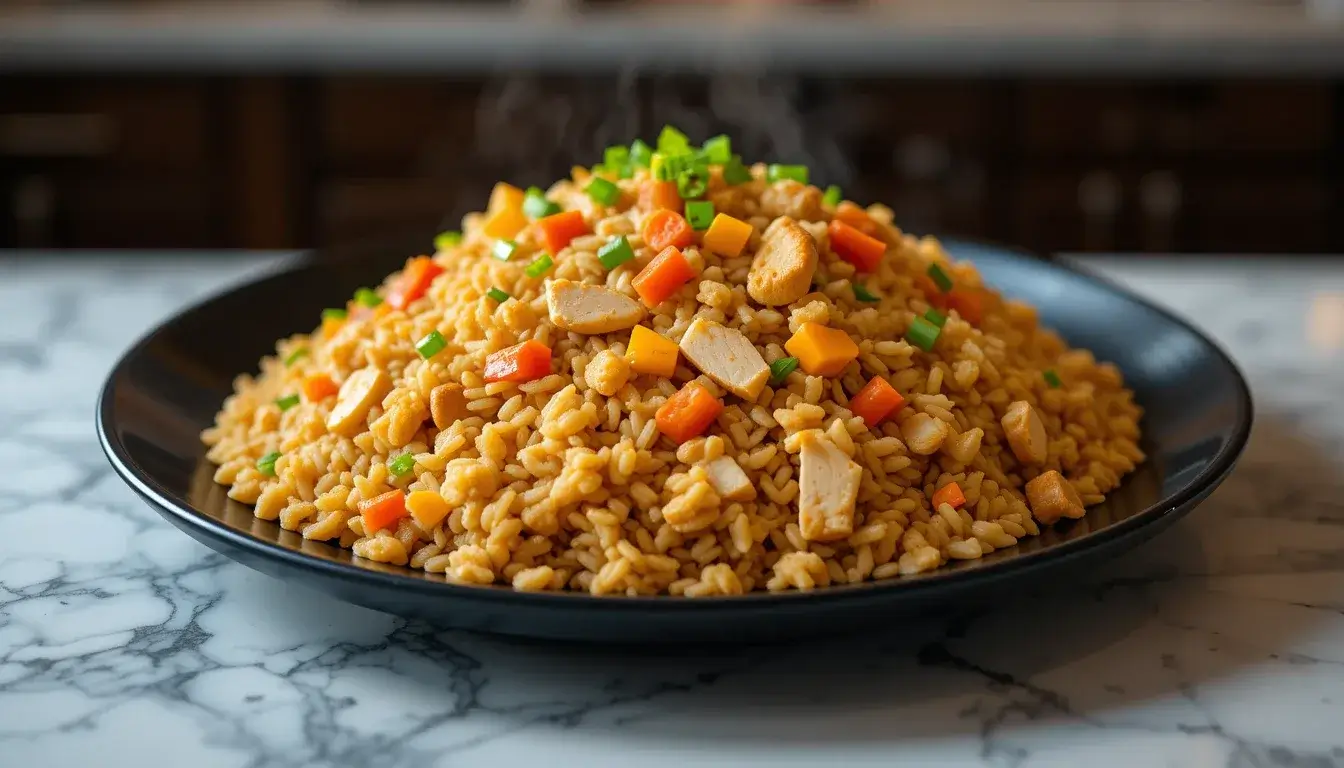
[
  {"x": 781, "y": 368},
  {"x": 615, "y": 253},
  {"x": 660, "y": 168},
  {"x": 832, "y": 196},
  {"x": 691, "y": 185},
  {"x": 296, "y": 355},
  {"x": 603, "y": 191},
  {"x": 641, "y": 154},
  {"x": 401, "y": 465},
  {"x": 718, "y": 150},
  {"x": 1052, "y": 379},
  {"x": 936, "y": 317},
  {"x": 735, "y": 172},
  {"x": 536, "y": 206},
  {"x": 503, "y": 249},
  {"x": 922, "y": 334},
  {"x": 267, "y": 463},
  {"x": 431, "y": 345},
  {"x": 615, "y": 157},
  {"x": 777, "y": 172},
  {"x": 940, "y": 278},
  {"x": 287, "y": 402},
  {"x": 671, "y": 140},
  {"x": 627, "y": 171},
  {"x": 367, "y": 298},
  {"x": 540, "y": 267},
  {"x": 498, "y": 295},
  {"x": 862, "y": 293},
  {"x": 332, "y": 313},
  {"x": 447, "y": 239},
  {"x": 700, "y": 214}
]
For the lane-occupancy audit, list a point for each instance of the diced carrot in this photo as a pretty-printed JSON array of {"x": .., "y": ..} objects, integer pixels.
[
  {"x": 382, "y": 511},
  {"x": 659, "y": 194},
  {"x": 662, "y": 277},
  {"x": 950, "y": 495},
  {"x": 968, "y": 302},
  {"x": 557, "y": 230},
  {"x": 876, "y": 401},
  {"x": 857, "y": 218},
  {"x": 688, "y": 413},
  {"x": 319, "y": 387},
  {"x": 861, "y": 250},
  {"x": 664, "y": 228},
  {"x": 414, "y": 281},
  {"x": 522, "y": 362},
  {"x": 330, "y": 325}
]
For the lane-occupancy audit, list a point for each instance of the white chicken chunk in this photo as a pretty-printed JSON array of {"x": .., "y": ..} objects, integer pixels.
[
  {"x": 828, "y": 488},
  {"x": 781, "y": 271},
  {"x": 357, "y": 395},
  {"x": 590, "y": 309},
  {"x": 726, "y": 356},
  {"x": 1025, "y": 432},
  {"x": 729, "y": 481}
]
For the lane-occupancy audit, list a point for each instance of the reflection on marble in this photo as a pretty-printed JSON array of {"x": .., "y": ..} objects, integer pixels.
[{"x": 123, "y": 642}]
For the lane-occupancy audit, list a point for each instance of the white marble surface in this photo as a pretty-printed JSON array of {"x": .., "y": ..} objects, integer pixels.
[{"x": 123, "y": 642}]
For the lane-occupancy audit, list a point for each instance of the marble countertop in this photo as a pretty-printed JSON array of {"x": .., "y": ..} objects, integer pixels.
[{"x": 125, "y": 643}]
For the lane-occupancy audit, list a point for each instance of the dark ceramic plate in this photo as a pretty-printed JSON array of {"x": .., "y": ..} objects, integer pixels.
[{"x": 168, "y": 386}]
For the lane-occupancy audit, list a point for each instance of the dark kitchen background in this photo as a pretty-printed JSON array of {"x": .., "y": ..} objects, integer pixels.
[{"x": 1152, "y": 125}]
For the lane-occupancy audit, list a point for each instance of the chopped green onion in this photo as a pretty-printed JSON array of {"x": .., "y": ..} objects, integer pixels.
[
  {"x": 719, "y": 150},
  {"x": 287, "y": 402},
  {"x": 503, "y": 249},
  {"x": 691, "y": 185},
  {"x": 498, "y": 295},
  {"x": 777, "y": 172},
  {"x": 447, "y": 239},
  {"x": 661, "y": 168},
  {"x": 627, "y": 171},
  {"x": 431, "y": 345},
  {"x": 536, "y": 206},
  {"x": 734, "y": 172},
  {"x": 615, "y": 253},
  {"x": 333, "y": 314},
  {"x": 401, "y": 465},
  {"x": 615, "y": 157},
  {"x": 540, "y": 267},
  {"x": 1052, "y": 379},
  {"x": 367, "y": 298},
  {"x": 296, "y": 355},
  {"x": 862, "y": 293},
  {"x": 700, "y": 214},
  {"x": 832, "y": 196},
  {"x": 603, "y": 191},
  {"x": 671, "y": 140},
  {"x": 940, "y": 278},
  {"x": 781, "y": 368},
  {"x": 641, "y": 154},
  {"x": 922, "y": 334},
  {"x": 266, "y": 464},
  {"x": 936, "y": 317}
]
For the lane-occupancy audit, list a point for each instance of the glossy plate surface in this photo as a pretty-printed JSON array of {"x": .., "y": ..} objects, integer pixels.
[{"x": 167, "y": 387}]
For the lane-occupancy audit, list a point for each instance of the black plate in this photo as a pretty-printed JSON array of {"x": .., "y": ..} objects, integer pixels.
[{"x": 168, "y": 386}]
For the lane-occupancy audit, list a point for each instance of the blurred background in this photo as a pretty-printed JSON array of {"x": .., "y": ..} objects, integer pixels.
[{"x": 1079, "y": 125}]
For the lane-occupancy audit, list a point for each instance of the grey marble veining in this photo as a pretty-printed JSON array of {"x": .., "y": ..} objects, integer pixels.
[{"x": 123, "y": 642}]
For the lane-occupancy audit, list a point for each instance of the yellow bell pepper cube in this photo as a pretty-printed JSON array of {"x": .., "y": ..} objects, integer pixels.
[
  {"x": 505, "y": 196},
  {"x": 505, "y": 224},
  {"x": 727, "y": 236},
  {"x": 427, "y": 507},
  {"x": 822, "y": 351},
  {"x": 651, "y": 352},
  {"x": 330, "y": 325}
]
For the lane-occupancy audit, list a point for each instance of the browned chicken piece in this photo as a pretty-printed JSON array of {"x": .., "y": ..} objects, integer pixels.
[
  {"x": 357, "y": 395},
  {"x": 1025, "y": 432},
  {"x": 923, "y": 434},
  {"x": 729, "y": 481},
  {"x": 1052, "y": 497},
  {"x": 447, "y": 404},
  {"x": 726, "y": 356},
  {"x": 828, "y": 486},
  {"x": 793, "y": 199},
  {"x": 781, "y": 272},
  {"x": 590, "y": 309}
]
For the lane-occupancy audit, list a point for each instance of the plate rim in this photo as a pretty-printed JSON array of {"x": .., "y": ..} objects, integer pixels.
[{"x": 1150, "y": 519}]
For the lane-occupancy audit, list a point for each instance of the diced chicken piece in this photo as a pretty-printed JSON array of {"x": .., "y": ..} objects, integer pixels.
[
  {"x": 1025, "y": 432},
  {"x": 729, "y": 481},
  {"x": 726, "y": 356},
  {"x": 923, "y": 434},
  {"x": 793, "y": 199},
  {"x": 828, "y": 488},
  {"x": 447, "y": 404},
  {"x": 781, "y": 272},
  {"x": 965, "y": 446},
  {"x": 1052, "y": 497},
  {"x": 590, "y": 309},
  {"x": 607, "y": 372},
  {"x": 357, "y": 395}
]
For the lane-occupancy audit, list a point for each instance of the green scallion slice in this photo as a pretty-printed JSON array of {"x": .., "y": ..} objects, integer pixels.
[
  {"x": 287, "y": 402},
  {"x": 922, "y": 334},
  {"x": 832, "y": 196},
  {"x": 296, "y": 355},
  {"x": 401, "y": 465},
  {"x": 781, "y": 368},
  {"x": 718, "y": 150},
  {"x": 431, "y": 345},
  {"x": 700, "y": 214},
  {"x": 936, "y": 317},
  {"x": 627, "y": 171},
  {"x": 536, "y": 206},
  {"x": 541, "y": 266},
  {"x": 735, "y": 172},
  {"x": 671, "y": 140},
  {"x": 615, "y": 253},
  {"x": 498, "y": 295},
  {"x": 266, "y": 464},
  {"x": 661, "y": 168},
  {"x": 691, "y": 185},
  {"x": 503, "y": 249},
  {"x": 615, "y": 157},
  {"x": 940, "y": 278},
  {"x": 603, "y": 191},
  {"x": 1052, "y": 379},
  {"x": 641, "y": 154},
  {"x": 777, "y": 172},
  {"x": 862, "y": 293},
  {"x": 332, "y": 313},
  {"x": 367, "y": 298},
  {"x": 447, "y": 239}
]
